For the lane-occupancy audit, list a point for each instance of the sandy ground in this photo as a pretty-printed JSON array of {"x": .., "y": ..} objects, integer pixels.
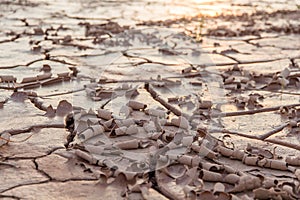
[{"x": 149, "y": 99}]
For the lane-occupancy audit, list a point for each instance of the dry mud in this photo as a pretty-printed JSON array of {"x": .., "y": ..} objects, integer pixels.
[{"x": 149, "y": 99}]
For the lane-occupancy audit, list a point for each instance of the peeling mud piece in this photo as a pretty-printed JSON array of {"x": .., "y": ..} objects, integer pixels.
[
  {"x": 38, "y": 31},
  {"x": 210, "y": 176},
  {"x": 67, "y": 39},
  {"x": 39, "y": 103},
  {"x": 4, "y": 138},
  {"x": 19, "y": 96},
  {"x": 46, "y": 68},
  {"x": 131, "y": 130},
  {"x": 211, "y": 166},
  {"x": 86, "y": 156},
  {"x": 259, "y": 151},
  {"x": 107, "y": 124},
  {"x": 29, "y": 79},
  {"x": 44, "y": 76},
  {"x": 204, "y": 151},
  {"x": 196, "y": 83},
  {"x": 64, "y": 108},
  {"x": 124, "y": 130},
  {"x": 231, "y": 179},
  {"x": 180, "y": 122},
  {"x": 104, "y": 29},
  {"x": 175, "y": 170},
  {"x": 91, "y": 132},
  {"x": 150, "y": 127},
  {"x": 169, "y": 52},
  {"x": 187, "y": 70},
  {"x": 187, "y": 141},
  {"x": 276, "y": 164},
  {"x": 125, "y": 111},
  {"x": 219, "y": 187},
  {"x": 63, "y": 75},
  {"x": 156, "y": 112},
  {"x": 136, "y": 105},
  {"x": 50, "y": 112},
  {"x": 293, "y": 160},
  {"x": 125, "y": 122},
  {"x": 121, "y": 131},
  {"x": 208, "y": 195},
  {"x": 225, "y": 151},
  {"x": 7, "y": 79},
  {"x": 247, "y": 182},
  {"x": 234, "y": 154},
  {"x": 252, "y": 161},
  {"x": 127, "y": 145},
  {"x": 104, "y": 114},
  {"x": 186, "y": 160},
  {"x": 205, "y": 105},
  {"x": 272, "y": 193},
  {"x": 168, "y": 186}
]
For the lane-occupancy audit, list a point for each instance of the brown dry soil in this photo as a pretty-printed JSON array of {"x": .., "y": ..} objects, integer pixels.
[{"x": 149, "y": 99}]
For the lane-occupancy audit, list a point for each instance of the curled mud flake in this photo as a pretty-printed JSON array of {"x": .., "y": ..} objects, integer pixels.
[
  {"x": 136, "y": 105},
  {"x": 132, "y": 129},
  {"x": 219, "y": 187},
  {"x": 247, "y": 182},
  {"x": 44, "y": 76},
  {"x": 104, "y": 114},
  {"x": 64, "y": 108},
  {"x": 127, "y": 145},
  {"x": 293, "y": 160},
  {"x": 288, "y": 190},
  {"x": 225, "y": 151},
  {"x": 210, "y": 176},
  {"x": 169, "y": 52},
  {"x": 211, "y": 166},
  {"x": 205, "y": 105},
  {"x": 196, "y": 83},
  {"x": 277, "y": 164},
  {"x": 259, "y": 151},
  {"x": 175, "y": 171},
  {"x": 50, "y": 112},
  {"x": 168, "y": 186},
  {"x": 67, "y": 39},
  {"x": 86, "y": 156},
  {"x": 38, "y": 31},
  {"x": 180, "y": 122},
  {"x": 252, "y": 161},
  {"x": 19, "y": 96},
  {"x": 187, "y": 70},
  {"x": 231, "y": 179},
  {"x": 119, "y": 131},
  {"x": 91, "y": 132},
  {"x": 63, "y": 75},
  {"x": 156, "y": 112},
  {"x": 187, "y": 141},
  {"x": 185, "y": 160},
  {"x": 206, "y": 195},
  {"x": 7, "y": 79},
  {"x": 272, "y": 193},
  {"x": 125, "y": 122},
  {"x": 46, "y": 68}
]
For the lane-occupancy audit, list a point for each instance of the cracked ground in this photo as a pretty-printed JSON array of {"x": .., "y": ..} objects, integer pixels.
[{"x": 149, "y": 99}]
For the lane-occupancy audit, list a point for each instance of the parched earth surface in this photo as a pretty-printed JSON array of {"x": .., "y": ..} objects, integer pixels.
[{"x": 149, "y": 99}]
